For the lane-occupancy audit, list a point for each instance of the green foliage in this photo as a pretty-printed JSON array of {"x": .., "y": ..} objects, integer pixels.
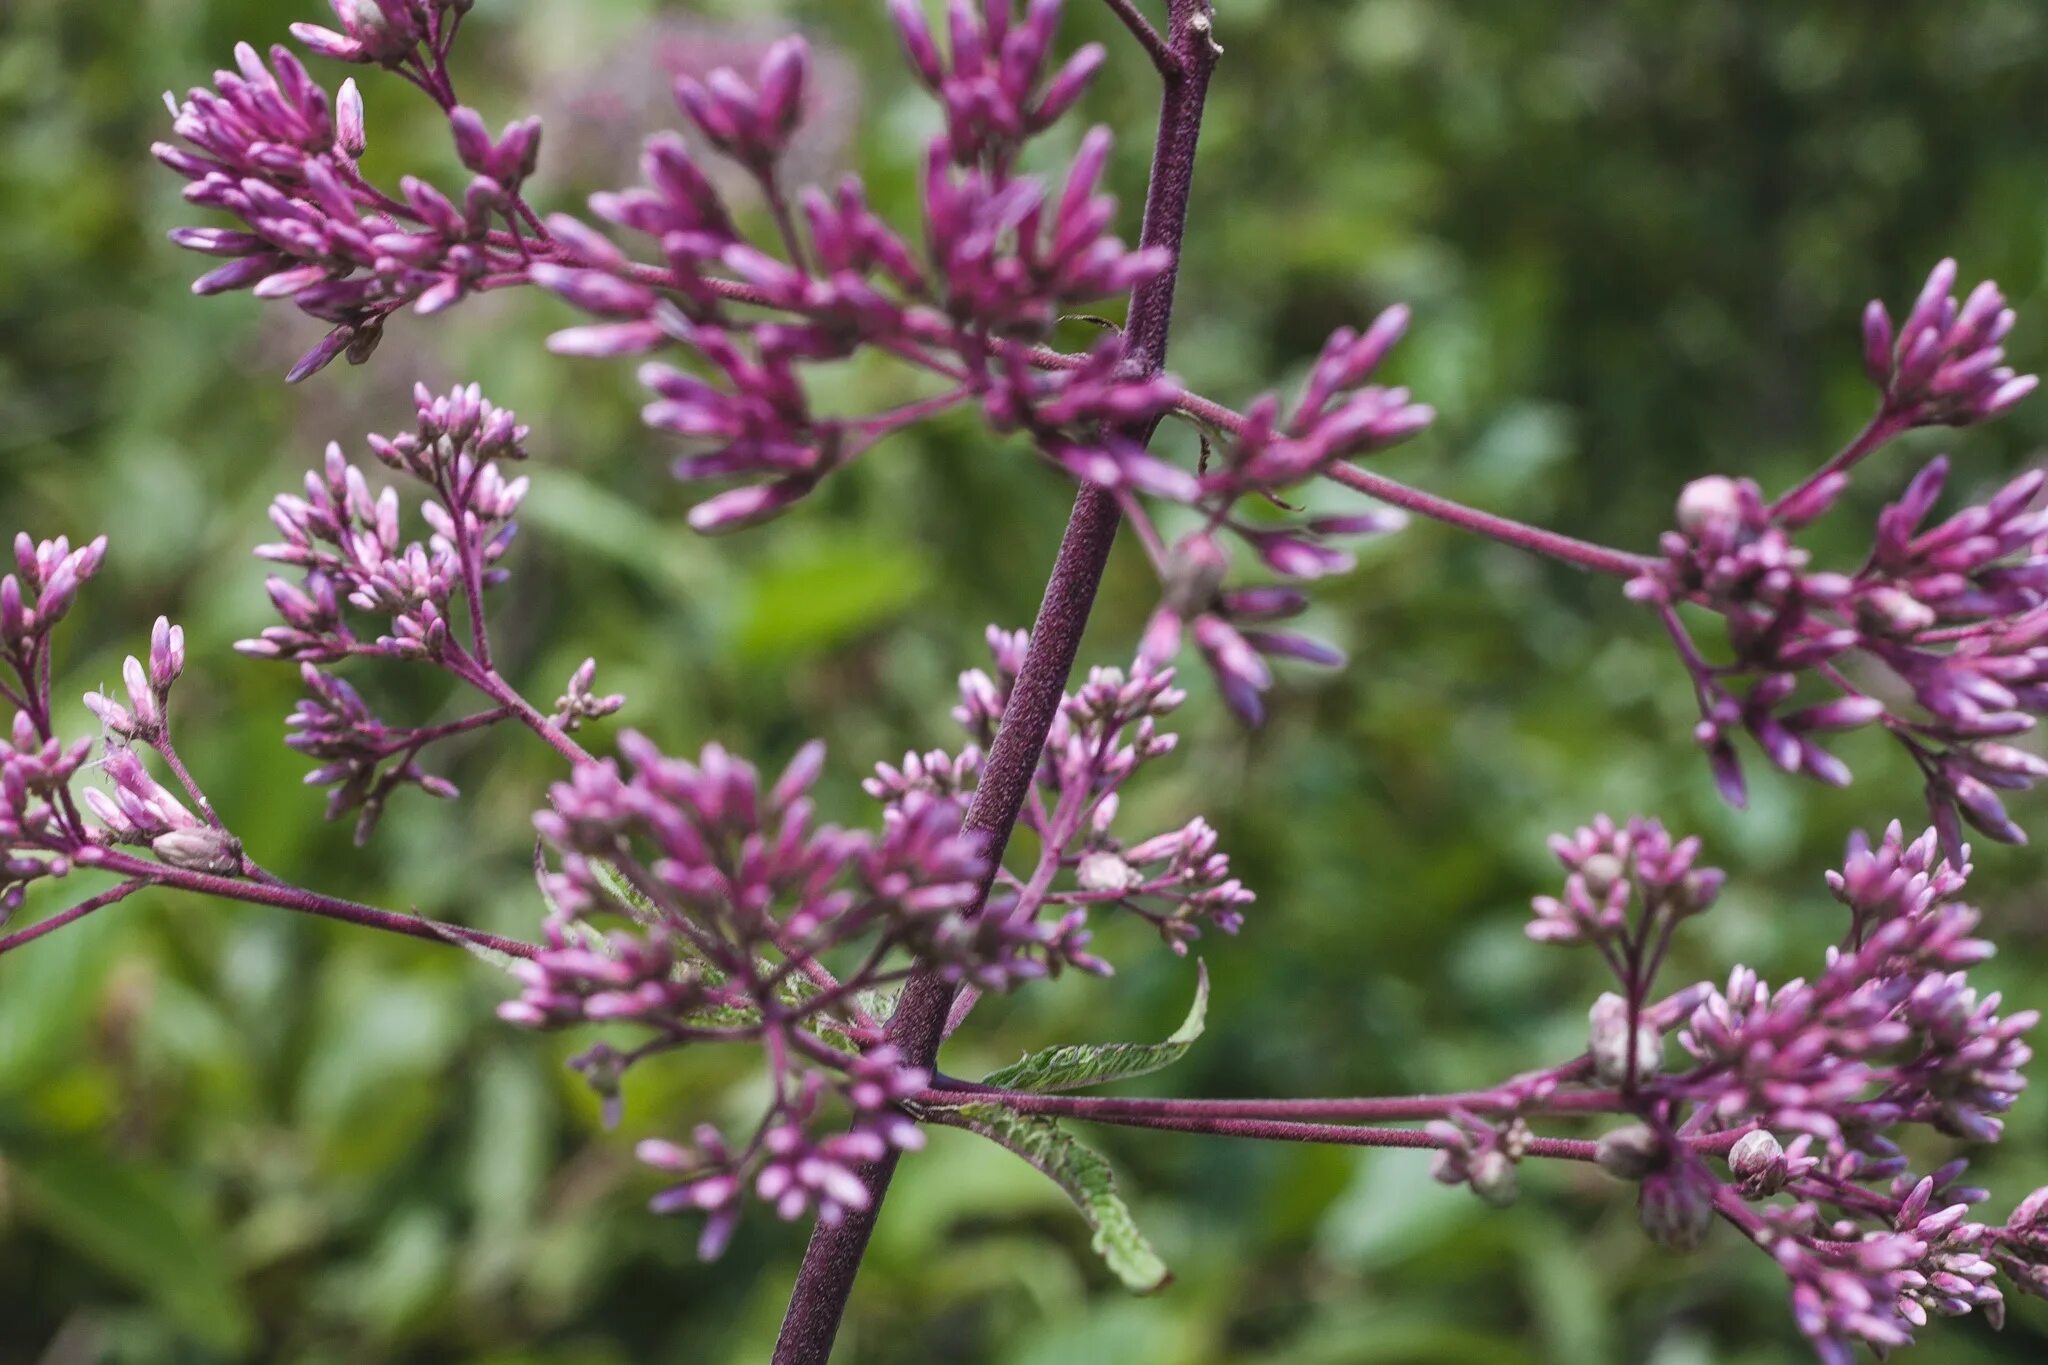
[
  {"x": 1079, "y": 1065},
  {"x": 1083, "y": 1173}
]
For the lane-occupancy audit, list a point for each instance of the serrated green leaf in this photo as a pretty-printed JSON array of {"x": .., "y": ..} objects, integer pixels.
[
  {"x": 1082, "y": 1172},
  {"x": 1084, "y": 1064}
]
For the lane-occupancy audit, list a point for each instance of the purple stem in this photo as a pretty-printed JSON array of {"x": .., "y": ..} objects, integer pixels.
[
  {"x": 1387, "y": 1109},
  {"x": 488, "y": 682},
  {"x": 1584, "y": 554},
  {"x": 1163, "y": 56},
  {"x": 79, "y": 911},
  {"x": 299, "y": 899},
  {"x": 832, "y": 1260},
  {"x": 1883, "y": 425},
  {"x": 1346, "y": 1135}
]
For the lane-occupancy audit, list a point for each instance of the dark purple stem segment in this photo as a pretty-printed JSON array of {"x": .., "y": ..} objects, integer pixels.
[
  {"x": 300, "y": 900},
  {"x": 833, "y": 1258}
]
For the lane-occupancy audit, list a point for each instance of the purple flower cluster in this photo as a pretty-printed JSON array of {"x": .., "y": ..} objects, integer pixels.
[
  {"x": 1339, "y": 415},
  {"x": 39, "y": 824},
  {"x": 1956, "y": 611},
  {"x": 1104, "y": 731},
  {"x": 356, "y": 558},
  {"x": 1945, "y": 366},
  {"x": 695, "y": 904},
  {"x": 993, "y": 84},
  {"x": 1004, "y": 257},
  {"x": 269, "y": 147},
  {"x": 44, "y": 831},
  {"x": 1889, "y": 1036}
]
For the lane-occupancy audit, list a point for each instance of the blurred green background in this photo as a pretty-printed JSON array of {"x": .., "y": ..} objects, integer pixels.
[{"x": 1637, "y": 234}]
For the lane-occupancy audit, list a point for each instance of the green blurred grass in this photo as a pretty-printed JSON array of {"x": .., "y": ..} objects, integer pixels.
[{"x": 1636, "y": 234}]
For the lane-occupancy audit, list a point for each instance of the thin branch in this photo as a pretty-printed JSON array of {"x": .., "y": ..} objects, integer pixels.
[
  {"x": 1149, "y": 38},
  {"x": 79, "y": 911},
  {"x": 300, "y": 900},
  {"x": 1392, "y": 1108},
  {"x": 1567, "y": 549},
  {"x": 488, "y": 682}
]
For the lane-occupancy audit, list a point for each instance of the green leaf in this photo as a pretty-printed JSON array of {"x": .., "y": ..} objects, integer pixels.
[
  {"x": 130, "y": 1219},
  {"x": 1085, "y": 1064},
  {"x": 1079, "y": 1170},
  {"x": 826, "y": 590}
]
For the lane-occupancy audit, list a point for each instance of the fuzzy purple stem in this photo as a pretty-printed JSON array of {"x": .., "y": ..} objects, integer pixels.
[
  {"x": 23, "y": 937},
  {"x": 1346, "y": 1135},
  {"x": 299, "y": 899},
  {"x": 833, "y": 1258},
  {"x": 1881, "y": 428},
  {"x": 1388, "y": 1109},
  {"x": 1584, "y": 554}
]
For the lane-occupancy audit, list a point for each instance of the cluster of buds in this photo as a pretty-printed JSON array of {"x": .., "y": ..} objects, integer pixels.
[
  {"x": 1956, "y": 611},
  {"x": 353, "y": 551},
  {"x": 1888, "y": 1037},
  {"x": 40, "y": 826},
  {"x": 1618, "y": 875},
  {"x": 1104, "y": 731},
  {"x": 1945, "y": 365},
  {"x": 1005, "y": 264},
  {"x": 148, "y": 687},
  {"x": 699, "y": 904},
  {"x": 1874, "y": 1280},
  {"x": 1004, "y": 257},
  {"x": 1481, "y": 1155},
  {"x": 993, "y": 84},
  {"x": 1339, "y": 415},
  {"x": 1890, "y": 1033},
  {"x": 1228, "y": 623},
  {"x": 752, "y": 124},
  {"x": 386, "y": 32},
  {"x": 362, "y": 759},
  {"x": 269, "y": 147},
  {"x": 579, "y": 705}
]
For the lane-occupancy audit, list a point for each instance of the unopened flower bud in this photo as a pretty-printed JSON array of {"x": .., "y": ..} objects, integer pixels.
[
  {"x": 1601, "y": 872},
  {"x": 199, "y": 849},
  {"x": 1758, "y": 1164},
  {"x": 1714, "y": 502},
  {"x": 1630, "y": 1153},
  {"x": 1677, "y": 1209},
  {"x": 349, "y": 134},
  {"x": 1493, "y": 1178},
  {"x": 1103, "y": 870},
  {"x": 1609, "y": 1042}
]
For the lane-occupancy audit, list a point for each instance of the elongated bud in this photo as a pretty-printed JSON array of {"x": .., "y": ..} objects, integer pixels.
[
  {"x": 348, "y": 119},
  {"x": 200, "y": 849}
]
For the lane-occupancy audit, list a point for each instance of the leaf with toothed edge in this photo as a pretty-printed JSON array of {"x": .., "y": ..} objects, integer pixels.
[
  {"x": 1084, "y": 1064},
  {"x": 1079, "y": 1170}
]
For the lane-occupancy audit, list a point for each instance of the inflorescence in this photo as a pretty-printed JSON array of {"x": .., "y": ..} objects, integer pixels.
[{"x": 691, "y": 903}]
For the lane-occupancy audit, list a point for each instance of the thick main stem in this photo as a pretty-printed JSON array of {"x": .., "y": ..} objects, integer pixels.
[{"x": 832, "y": 1260}]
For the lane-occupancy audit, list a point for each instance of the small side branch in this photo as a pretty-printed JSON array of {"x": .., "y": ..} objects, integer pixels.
[
  {"x": 23, "y": 937},
  {"x": 285, "y": 897},
  {"x": 1567, "y": 549},
  {"x": 1148, "y": 37}
]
